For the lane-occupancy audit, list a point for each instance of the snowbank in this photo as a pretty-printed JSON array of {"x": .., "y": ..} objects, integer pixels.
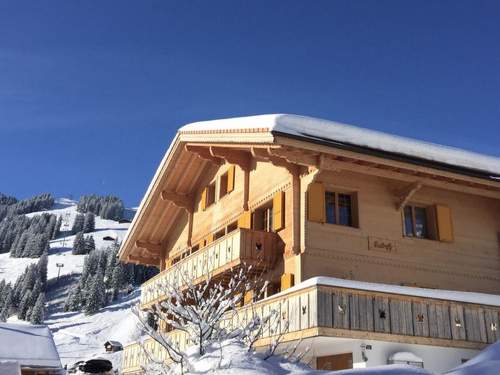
[
  {"x": 317, "y": 129},
  {"x": 486, "y": 362}
]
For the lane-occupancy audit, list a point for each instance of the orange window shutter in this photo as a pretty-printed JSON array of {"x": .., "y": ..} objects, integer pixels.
[
  {"x": 316, "y": 202},
  {"x": 287, "y": 281},
  {"x": 444, "y": 223},
  {"x": 245, "y": 220},
  {"x": 230, "y": 178},
  {"x": 248, "y": 297},
  {"x": 204, "y": 198},
  {"x": 210, "y": 238},
  {"x": 279, "y": 211}
]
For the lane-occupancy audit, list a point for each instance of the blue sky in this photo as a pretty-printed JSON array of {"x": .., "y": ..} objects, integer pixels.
[{"x": 91, "y": 92}]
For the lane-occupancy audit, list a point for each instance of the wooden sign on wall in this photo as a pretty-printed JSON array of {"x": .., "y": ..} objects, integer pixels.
[{"x": 381, "y": 244}]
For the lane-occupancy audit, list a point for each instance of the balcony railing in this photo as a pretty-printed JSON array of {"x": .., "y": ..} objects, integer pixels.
[
  {"x": 257, "y": 249},
  {"x": 322, "y": 310}
]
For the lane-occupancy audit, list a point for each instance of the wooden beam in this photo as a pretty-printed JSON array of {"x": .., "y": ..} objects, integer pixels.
[
  {"x": 340, "y": 165},
  {"x": 149, "y": 261},
  {"x": 237, "y": 157},
  {"x": 267, "y": 155},
  {"x": 180, "y": 200},
  {"x": 204, "y": 153},
  {"x": 152, "y": 247},
  {"x": 407, "y": 193}
]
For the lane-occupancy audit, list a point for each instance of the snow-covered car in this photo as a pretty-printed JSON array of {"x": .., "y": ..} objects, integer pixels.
[{"x": 96, "y": 366}]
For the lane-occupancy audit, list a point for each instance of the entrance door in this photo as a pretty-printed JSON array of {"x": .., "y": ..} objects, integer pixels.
[{"x": 334, "y": 362}]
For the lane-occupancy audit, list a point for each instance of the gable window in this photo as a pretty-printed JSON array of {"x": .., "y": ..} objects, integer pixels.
[
  {"x": 339, "y": 208},
  {"x": 416, "y": 223}
]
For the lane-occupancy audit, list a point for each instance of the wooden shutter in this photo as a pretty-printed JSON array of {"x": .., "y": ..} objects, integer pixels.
[
  {"x": 204, "y": 198},
  {"x": 248, "y": 297},
  {"x": 444, "y": 223},
  {"x": 245, "y": 220},
  {"x": 287, "y": 281},
  {"x": 316, "y": 202},
  {"x": 230, "y": 178},
  {"x": 210, "y": 238},
  {"x": 279, "y": 211}
]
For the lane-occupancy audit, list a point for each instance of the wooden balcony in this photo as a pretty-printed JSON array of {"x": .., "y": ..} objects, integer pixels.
[
  {"x": 334, "y": 311},
  {"x": 258, "y": 249}
]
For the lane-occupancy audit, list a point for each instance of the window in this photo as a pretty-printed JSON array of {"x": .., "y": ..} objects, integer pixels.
[
  {"x": 210, "y": 194},
  {"x": 223, "y": 185},
  {"x": 339, "y": 208},
  {"x": 416, "y": 222},
  {"x": 263, "y": 218}
]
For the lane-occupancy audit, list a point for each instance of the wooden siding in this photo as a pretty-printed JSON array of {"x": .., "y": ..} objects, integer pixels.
[{"x": 467, "y": 258}]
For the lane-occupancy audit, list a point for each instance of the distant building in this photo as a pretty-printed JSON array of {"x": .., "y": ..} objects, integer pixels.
[
  {"x": 30, "y": 348},
  {"x": 109, "y": 238},
  {"x": 113, "y": 346}
]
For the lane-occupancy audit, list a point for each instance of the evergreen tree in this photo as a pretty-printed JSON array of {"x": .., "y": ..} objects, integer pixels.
[
  {"x": 79, "y": 244},
  {"x": 89, "y": 223},
  {"x": 78, "y": 224},
  {"x": 7, "y": 307},
  {"x": 37, "y": 316},
  {"x": 89, "y": 244},
  {"x": 24, "y": 305},
  {"x": 42, "y": 270},
  {"x": 57, "y": 228},
  {"x": 97, "y": 294},
  {"x": 117, "y": 280}
]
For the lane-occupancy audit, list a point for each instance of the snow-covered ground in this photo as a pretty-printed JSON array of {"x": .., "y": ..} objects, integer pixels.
[
  {"x": 60, "y": 249},
  {"x": 78, "y": 336}
]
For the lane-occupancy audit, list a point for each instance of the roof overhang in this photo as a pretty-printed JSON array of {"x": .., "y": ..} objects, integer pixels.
[{"x": 201, "y": 147}]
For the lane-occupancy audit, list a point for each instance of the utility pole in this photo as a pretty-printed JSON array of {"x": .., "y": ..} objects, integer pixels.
[{"x": 59, "y": 266}]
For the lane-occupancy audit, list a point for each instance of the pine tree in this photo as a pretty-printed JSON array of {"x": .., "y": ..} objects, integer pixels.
[
  {"x": 89, "y": 223},
  {"x": 24, "y": 305},
  {"x": 79, "y": 244},
  {"x": 97, "y": 294},
  {"x": 7, "y": 307},
  {"x": 117, "y": 280},
  {"x": 89, "y": 244},
  {"x": 37, "y": 315},
  {"x": 57, "y": 228},
  {"x": 42, "y": 270},
  {"x": 78, "y": 224}
]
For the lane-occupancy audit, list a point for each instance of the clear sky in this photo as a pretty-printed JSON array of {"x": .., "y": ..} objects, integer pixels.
[{"x": 91, "y": 92}]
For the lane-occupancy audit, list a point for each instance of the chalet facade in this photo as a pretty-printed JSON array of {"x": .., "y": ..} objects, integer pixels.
[{"x": 361, "y": 235}]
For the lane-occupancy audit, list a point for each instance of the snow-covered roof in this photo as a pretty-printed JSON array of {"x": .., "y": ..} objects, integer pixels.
[
  {"x": 447, "y": 295},
  {"x": 30, "y": 345},
  {"x": 342, "y": 134},
  {"x": 10, "y": 368}
]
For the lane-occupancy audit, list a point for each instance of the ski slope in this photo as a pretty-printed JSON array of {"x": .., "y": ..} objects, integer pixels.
[{"x": 60, "y": 249}]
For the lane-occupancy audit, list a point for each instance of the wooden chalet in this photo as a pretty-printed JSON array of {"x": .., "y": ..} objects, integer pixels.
[{"x": 362, "y": 235}]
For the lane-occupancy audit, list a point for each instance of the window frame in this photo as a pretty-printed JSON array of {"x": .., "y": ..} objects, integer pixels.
[
  {"x": 223, "y": 185},
  {"x": 428, "y": 221},
  {"x": 353, "y": 222},
  {"x": 211, "y": 188}
]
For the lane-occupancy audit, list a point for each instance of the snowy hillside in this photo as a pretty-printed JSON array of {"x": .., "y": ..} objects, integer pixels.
[
  {"x": 78, "y": 336},
  {"x": 60, "y": 249}
]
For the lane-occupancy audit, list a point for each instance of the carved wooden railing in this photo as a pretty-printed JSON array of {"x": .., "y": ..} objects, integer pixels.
[
  {"x": 322, "y": 310},
  {"x": 258, "y": 249}
]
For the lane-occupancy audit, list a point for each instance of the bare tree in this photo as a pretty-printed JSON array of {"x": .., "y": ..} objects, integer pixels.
[{"x": 207, "y": 313}]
